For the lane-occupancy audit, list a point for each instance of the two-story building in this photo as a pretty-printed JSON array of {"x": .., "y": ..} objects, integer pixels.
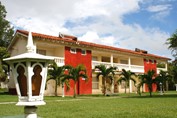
[{"x": 68, "y": 50}]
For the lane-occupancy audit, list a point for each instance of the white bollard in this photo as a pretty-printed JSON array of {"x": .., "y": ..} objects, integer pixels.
[{"x": 30, "y": 111}]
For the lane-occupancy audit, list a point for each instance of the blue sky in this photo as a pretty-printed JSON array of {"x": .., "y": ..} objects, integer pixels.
[{"x": 129, "y": 24}]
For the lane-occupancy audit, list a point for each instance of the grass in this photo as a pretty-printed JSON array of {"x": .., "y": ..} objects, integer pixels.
[{"x": 98, "y": 106}]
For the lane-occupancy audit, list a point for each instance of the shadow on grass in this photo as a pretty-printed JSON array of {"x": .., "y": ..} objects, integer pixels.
[{"x": 4, "y": 93}]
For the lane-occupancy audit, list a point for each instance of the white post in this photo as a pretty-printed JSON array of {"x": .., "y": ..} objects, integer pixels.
[
  {"x": 161, "y": 93},
  {"x": 166, "y": 66},
  {"x": 30, "y": 111},
  {"x": 130, "y": 82},
  {"x": 176, "y": 86},
  {"x": 111, "y": 60},
  {"x": 112, "y": 64}
]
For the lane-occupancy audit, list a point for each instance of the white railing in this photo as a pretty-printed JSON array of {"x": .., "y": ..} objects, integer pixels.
[
  {"x": 121, "y": 66},
  {"x": 95, "y": 63},
  {"x": 60, "y": 61},
  {"x": 158, "y": 70},
  {"x": 137, "y": 68},
  {"x": 133, "y": 68}
]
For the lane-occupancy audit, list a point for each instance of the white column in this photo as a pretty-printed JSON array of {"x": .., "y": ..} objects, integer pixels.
[
  {"x": 129, "y": 63},
  {"x": 166, "y": 66},
  {"x": 176, "y": 86},
  {"x": 112, "y": 64},
  {"x": 130, "y": 81},
  {"x": 111, "y": 60}
]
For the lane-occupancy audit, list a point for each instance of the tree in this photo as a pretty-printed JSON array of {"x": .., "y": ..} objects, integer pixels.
[
  {"x": 172, "y": 70},
  {"x": 3, "y": 65},
  {"x": 75, "y": 73},
  {"x": 126, "y": 76},
  {"x": 106, "y": 73},
  {"x": 57, "y": 73},
  {"x": 172, "y": 42},
  {"x": 6, "y": 33},
  {"x": 162, "y": 78},
  {"x": 149, "y": 78},
  {"x": 140, "y": 84}
]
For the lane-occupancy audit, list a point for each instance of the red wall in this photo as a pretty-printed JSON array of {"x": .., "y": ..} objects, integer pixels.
[
  {"x": 150, "y": 65},
  {"x": 83, "y": 87}
]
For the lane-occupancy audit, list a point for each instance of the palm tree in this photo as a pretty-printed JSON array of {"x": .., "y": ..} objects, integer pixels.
[
  {"x": 172, "y": 42},
  {"x": 106, "y": 73},
  {"x": 57, "y": 73},
  {"x": 140, "y": 84},
  {"x": 163, "y": 77},
  {"x": 149, "y": 78},
  {"x": 75, "y": 74},
  {"x": 126, "y": 76}
]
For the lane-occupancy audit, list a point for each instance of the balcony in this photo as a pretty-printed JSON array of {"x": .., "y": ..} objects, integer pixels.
[
  {"x": 134, "y": 68},
  {"x": 60, "y": 61}
]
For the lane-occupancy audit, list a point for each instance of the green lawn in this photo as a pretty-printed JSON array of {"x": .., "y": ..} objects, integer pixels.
[{"x": 98, "y": 106}]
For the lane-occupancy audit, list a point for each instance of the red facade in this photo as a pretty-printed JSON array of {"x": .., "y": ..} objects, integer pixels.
[
  {"x": 74, "y": 59},
  {"x": 150, "y": 65}
]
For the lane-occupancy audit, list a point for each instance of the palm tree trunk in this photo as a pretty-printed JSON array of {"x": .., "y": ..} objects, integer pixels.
[
  {"x": 150, "y": 90},
  {"x": 125, "y": 87},
  {"x": 112, "y": 86},
  {"x": 150, "y": 93},
  {"x": 130, "y": 86},
  {"x": 104, "y": 86},
  {"x": 63, "y": 91},
  {"x": 166, "y": 85},
  {"x": 56, "y": 88},
  {"x": 74, "y": 89}
]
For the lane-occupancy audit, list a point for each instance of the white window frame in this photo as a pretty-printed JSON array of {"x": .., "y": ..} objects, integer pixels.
[
  {"x": 41, "y": 51},
  {"x": 85, "y": 52},
  {"x": 73, "y": 50}
]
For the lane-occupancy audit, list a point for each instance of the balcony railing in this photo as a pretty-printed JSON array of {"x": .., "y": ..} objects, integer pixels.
[
  {"x": 96, "y": 63},
  {"x": 134, "y": 68},
  {"x": 60, "y": 61},
  {"x": 158, "y": 69}
]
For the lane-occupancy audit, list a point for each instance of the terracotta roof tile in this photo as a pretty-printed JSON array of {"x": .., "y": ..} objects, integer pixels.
[{"x": 72, "y": 39}]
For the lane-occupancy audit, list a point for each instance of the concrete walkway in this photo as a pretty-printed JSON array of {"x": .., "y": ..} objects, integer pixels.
[{"x": 8, "y": 102}]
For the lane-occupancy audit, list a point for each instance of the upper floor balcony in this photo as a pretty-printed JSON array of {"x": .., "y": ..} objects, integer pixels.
[{"x": 133, "y": 68}]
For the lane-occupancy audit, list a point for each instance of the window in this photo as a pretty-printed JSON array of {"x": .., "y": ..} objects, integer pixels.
[
  {"x": 94, "y": 58},
  {"x": 124, "y": 61},
  {"x": 95, "y": 82},
  {"x": 83, "y": 52},
  {"x": 73, "y": 50},
  {"x": 40, "y": 51},
  {"x": 105, "y": 59}
]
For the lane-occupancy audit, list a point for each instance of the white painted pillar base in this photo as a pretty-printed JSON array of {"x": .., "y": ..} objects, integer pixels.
[
  {"x": 176, "y": 87},
  {"x": 63, "y": 91},
  {"x": 30, "y": 111},
  {"x": 130, "y": 86}
]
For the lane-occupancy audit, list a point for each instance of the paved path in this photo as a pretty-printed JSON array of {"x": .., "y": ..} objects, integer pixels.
[{"x": 8, "y": 102}]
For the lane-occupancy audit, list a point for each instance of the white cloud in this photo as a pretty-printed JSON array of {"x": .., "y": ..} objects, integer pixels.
[
  {"x": 159, "y": 8},
  {"x": 49, "y": 17},
  {"x": 160, "y": 11},
  {"x": 92, "y": 36}
]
